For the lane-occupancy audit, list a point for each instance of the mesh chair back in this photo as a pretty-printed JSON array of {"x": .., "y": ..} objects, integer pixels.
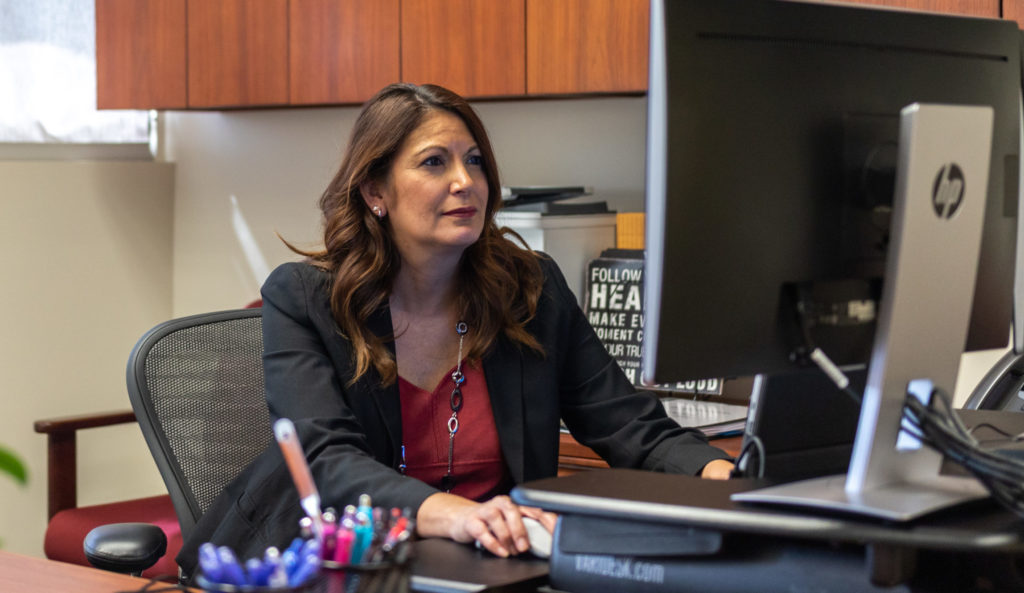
[
  {"x": 1001, "y": 387},
  {"x": 196, "y": 385}
]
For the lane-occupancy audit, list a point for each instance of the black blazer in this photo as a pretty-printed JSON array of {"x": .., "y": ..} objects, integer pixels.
[{"x": 352, "y": 434}]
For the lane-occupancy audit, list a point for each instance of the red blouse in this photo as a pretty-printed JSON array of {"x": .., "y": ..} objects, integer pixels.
[{"x": 478, "y": 466}]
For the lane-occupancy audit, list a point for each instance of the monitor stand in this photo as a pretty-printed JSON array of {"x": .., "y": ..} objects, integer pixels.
[{"x": 938, "y": 215}]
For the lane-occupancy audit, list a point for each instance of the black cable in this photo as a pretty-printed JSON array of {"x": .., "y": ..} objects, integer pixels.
[
  {"x": 810, "y": 352},
  {"x": 942, "y": 430},
  {"x": 996, "y": 429},
  {"x": 752, "y": 442},
  {"x": 833, "y": 372},
  {"x": 150, "y": 586},
  {"x": 856, "y": 397},
  {"x": 937, "y": 425}
]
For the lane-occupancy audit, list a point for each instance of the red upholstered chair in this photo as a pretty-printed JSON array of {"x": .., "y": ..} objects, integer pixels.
[{"x": 69, "y": 523}]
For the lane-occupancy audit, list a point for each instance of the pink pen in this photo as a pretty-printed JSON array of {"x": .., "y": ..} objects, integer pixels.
[
  {"x": 309, "y": 498},
  {"x": 343, "y": 543}
]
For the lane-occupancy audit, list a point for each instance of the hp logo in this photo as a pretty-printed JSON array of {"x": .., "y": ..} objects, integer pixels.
[{"x": 948, "y": 190}]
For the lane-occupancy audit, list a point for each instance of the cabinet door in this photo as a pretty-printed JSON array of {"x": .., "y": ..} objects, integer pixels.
[
  {"x": 237, "y": 53},
  {"x": 140, "y": 54},
  {"x": 1014, "y": 10},
  {"x": 341, "y": 51},
  {"x": 473, "y": 47},
  {"x": 586, "y": 46},
  {"x": 982, "y": 8}
]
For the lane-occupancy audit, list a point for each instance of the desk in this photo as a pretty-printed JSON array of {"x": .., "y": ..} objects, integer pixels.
[
  {"x": 439, "y": 566},
  {"x": 443, "y": 566},
  {"x": 692, "y": 532},
  {"x": 25, "y": 574},
  {"x": 691, "y": 513}
]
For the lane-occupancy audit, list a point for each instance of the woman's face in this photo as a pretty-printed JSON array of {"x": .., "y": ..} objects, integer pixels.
[{"x": 435, "y": 195}]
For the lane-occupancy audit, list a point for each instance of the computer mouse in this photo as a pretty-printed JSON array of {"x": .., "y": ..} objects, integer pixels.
[{"x": 540, "y": 538}]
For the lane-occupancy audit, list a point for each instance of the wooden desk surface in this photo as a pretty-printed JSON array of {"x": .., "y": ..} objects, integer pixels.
[
  {"x": 574, "y": 457},
  {"x": 25, "y": 574}
]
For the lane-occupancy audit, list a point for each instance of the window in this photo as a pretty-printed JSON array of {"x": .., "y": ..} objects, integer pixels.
[{"x": 48, "y": 87}]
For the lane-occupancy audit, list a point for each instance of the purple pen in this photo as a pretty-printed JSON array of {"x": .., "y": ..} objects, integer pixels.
[
  {"x": 290, "y": 560},
  {"x": 348, "y": 515},
  {"x": 231, "y": 570},
  {"x": 278, "y": 576},
  {"x": 256, "y": 572},
  {"x": 295, "y": 546},
  {"x": 311, "y": 547},
  {"x": 210, "y": 563},
  {"x": 308, "y": 565}
]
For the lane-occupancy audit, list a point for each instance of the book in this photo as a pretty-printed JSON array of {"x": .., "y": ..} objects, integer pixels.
[
  {"x": 629, "y": 230},
  {"x": 561, "y": 209},
  {"x": 533, "y": 194},
  {"x": 712, "y": 417}
]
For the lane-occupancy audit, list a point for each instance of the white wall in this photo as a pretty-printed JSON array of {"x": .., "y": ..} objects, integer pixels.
[
  {"x": 85, "y": 257},
  {"x": 276, "y": 163},
  {"x": 973, "y": 366}
]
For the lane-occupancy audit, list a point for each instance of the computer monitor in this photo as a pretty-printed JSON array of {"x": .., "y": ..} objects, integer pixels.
[{"x": 832, "y": 176}]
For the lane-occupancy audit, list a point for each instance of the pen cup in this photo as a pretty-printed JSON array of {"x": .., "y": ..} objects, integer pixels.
[
  {"x": 315, "y": 584},
  {"x": 368, "y": 577}
]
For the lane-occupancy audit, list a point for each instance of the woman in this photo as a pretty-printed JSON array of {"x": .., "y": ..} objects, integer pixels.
[{"x": 426, "y": 359}]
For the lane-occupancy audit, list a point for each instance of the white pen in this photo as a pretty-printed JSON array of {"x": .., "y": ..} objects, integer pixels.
[{"x": 309, "y": 497}]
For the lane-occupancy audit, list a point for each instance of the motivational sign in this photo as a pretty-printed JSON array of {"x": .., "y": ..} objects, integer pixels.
[{"x": 615, "y": 308}]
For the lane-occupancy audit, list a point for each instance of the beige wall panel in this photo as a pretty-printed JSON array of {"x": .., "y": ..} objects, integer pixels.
[{"x": 85, "y": 257}]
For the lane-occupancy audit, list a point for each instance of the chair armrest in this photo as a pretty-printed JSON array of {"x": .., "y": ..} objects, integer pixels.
[
  {"x": 73, "y": 423},
  {"x": 61, "y": 453},
  {"x": 128, "y": 548}
]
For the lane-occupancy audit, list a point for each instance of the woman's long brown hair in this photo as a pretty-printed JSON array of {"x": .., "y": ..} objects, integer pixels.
[{"x": 363, "y": 261}]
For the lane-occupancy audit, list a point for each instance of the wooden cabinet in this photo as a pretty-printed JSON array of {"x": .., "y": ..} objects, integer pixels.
[
  {"x": 1014, "y": 10},
  {"x": 237, "y": 53},
  {"x": 174, "y": 54},
  {"x": 140, "y": 54},
  {"x": 341, "y": 51},
  {"x": 586, "y": 46},
  {"x": 252, "y": 53},
  {"x": 473, "y": 47}
]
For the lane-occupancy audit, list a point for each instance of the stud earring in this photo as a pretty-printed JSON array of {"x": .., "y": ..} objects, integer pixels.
[{"x": 377, "y": 210}]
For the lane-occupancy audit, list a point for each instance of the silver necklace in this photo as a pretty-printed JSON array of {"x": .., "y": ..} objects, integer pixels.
[{"x": 455, "y": 403}]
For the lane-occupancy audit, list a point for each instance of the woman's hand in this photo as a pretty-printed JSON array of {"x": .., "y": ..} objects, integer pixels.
[
  {"x": 719, "y": 469},
  {"x": 496, "y": 524}
]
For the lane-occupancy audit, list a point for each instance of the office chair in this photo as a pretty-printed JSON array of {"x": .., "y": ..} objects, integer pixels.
[
  {"x": 1002, "y": 388},
  {"x": 196, "y": 386}
]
